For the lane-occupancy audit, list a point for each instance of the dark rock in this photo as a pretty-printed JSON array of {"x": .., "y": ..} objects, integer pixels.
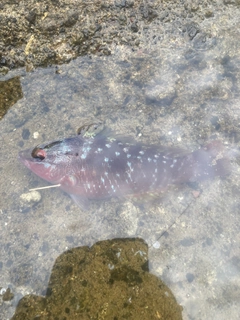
[
  {"x": 31, "y": 17},
  {"x": 134, "y": 27},
  {"x": 190, "y": 277},
  {"x": 25, "y": 134},
  {"x": 71, "y": 20},
  {"x": 8, "y": 295}
]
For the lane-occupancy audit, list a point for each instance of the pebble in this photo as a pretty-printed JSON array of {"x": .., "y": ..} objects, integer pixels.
[
  {"x": 35, "y": 135},
  {"x": 2, "y": 291},
  {"x": 156, "y": 245},
  {"x": 30, "y": 197}
]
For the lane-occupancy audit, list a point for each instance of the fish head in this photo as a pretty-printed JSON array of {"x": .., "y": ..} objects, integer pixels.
[{"x": 52, "y": 160}]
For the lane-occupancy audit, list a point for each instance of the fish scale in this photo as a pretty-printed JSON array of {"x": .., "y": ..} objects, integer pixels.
[{"x": 95, "y": 167}]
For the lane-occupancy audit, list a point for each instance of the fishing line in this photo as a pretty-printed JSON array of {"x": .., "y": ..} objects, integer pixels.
[{"x": 47, "y": 187}]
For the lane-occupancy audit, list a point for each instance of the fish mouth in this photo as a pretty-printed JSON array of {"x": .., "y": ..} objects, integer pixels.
[{"x": 25, "y": 157}]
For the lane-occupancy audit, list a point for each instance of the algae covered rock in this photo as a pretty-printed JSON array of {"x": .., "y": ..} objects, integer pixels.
[{"x": 110, "y": 280}]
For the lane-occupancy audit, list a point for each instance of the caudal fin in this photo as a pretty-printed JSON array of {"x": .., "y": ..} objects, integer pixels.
[{"x": 211, "y": 161}]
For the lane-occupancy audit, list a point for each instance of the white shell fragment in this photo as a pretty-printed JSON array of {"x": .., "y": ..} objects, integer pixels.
[
  {"x": 156, "y": 245},
  {"x": 35, "y": 135}
]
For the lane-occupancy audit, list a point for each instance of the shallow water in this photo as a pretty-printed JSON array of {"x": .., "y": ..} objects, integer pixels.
[{"x": 181, "y": 94}]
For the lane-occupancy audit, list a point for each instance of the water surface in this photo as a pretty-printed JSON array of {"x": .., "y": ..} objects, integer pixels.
[{"x": 182, "y": 94}]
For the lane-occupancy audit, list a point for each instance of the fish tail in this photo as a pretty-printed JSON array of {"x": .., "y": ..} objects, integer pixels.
[
  {"x": 211, "y": 160},
  {"x": 222, "y": 167}
]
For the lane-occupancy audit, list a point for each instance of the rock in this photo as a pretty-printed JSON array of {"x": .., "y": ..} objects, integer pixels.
[
  {"x": 110, "y": 280},
  {"x": 30, "y": 197}
]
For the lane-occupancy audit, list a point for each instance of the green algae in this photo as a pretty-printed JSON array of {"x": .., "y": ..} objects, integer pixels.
[
  {"x": 10, "y": 93},
  {"x": 110, "y": 280},
  {"x": 8, "y": 295}
]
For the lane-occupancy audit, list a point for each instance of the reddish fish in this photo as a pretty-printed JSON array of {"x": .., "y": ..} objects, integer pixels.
[{"x": 98, "y": 167}]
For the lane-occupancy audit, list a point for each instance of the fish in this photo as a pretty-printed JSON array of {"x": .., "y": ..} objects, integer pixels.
[{"x": 100, "y": 165}]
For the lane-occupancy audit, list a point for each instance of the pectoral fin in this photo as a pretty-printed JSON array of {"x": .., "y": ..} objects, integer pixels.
[{"x": 81, "y": 202}]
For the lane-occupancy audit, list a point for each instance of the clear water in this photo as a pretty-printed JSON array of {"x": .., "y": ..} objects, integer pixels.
[{"x": 180, "y": 94}]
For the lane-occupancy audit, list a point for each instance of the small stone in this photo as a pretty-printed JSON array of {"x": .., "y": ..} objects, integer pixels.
[
  {"x": 156, "y": 245},
  {"x": 8, "y": 295},
  {"x": 35, "y": 135},
  {"x": 134, "y": 27},
  {"x": 30, "y": 197},
  {"x": 2, "y": 291}
]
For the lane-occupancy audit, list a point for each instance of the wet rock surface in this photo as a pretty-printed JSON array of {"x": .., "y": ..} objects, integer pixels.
[
  {"x": 10, "y": 93},
  {"x": 110, "y": 280},
  {"x": 51, "y": 31}
]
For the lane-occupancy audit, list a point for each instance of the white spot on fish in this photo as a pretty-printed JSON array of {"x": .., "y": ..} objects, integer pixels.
[
  {"x": 117, "y": 153},
  {"x": 106, "y": 159},
  {"x": 141, "y": 152},
  {"x": 125, "y": 149},
  {"x": 164, "y": 162},
  {"x": 149, "y": 159},
  {"x": 111, "y": 139},
  {"x": 180, "y": 167},
  {"x": 155, "y": 170},
  {"x": 139, "y": 157},
  {"x": 102, "y": 179},
  {"x": 88, "y": 185},
  {"x": 117, "y": 174},
  {"x": 156, "y": 156},
  {"x": 129, "y": 176},
  {"x": 85, "y": 149},
  {"x": 128, "y": 155},
  {"x": 108, "y": 145},
  {"x": 129, "y": 164},
  {"x": 106, "y": 173},
  {"x": 154, "y": 160},
  {"x": 116, "y": 183},
  {"x": 100, "y": 149},
  {"x": 175, "y": 161}
]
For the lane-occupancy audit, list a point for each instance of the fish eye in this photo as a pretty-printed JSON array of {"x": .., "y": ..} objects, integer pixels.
[{"x": 38, "y": 153}]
